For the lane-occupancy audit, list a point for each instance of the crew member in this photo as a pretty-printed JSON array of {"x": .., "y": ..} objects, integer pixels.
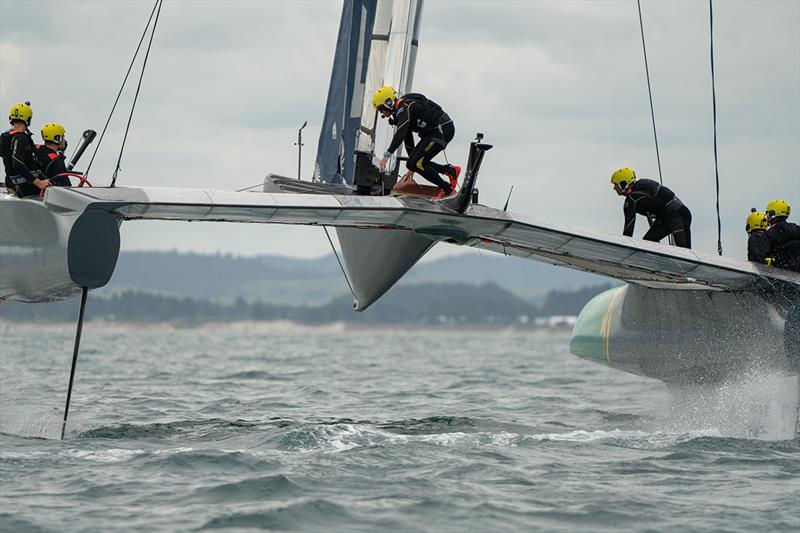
[
  {"x": 755, "y": 226},
  {"x": 780, "y": 245},
  {"x": 17, "y": 150},
  {"x": 414, "y": 113},
  {"x": 50, "y": 155},
  {"x": 658, "y": 203}
]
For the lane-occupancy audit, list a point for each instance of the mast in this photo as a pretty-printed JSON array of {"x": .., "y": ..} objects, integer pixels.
[
  {"x": 393, "y": 56},
  {"x": 377, "y": 46}
]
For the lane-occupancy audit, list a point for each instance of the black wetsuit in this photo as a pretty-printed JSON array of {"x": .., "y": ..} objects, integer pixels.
[
  {"x": 754, "y": 243},
  {"x": 649, "y": 198},
  {"x": 781, "y": 242},
  {"x": 20, "y": 162},
  {"x": 52, "y": 164},
  {"x": 416, "y": 114},
  {"x": 5, "y": 153}
]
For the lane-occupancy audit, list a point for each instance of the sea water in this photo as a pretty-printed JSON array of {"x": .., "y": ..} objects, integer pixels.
[{"x": 277, "y": 427}]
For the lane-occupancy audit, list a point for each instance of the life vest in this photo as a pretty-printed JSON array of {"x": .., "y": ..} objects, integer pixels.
[{"x": 6, "y": 142}]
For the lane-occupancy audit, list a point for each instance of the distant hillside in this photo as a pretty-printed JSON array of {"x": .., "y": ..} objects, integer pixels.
[
  {"x": 427, "y": 303},
  {"x": 277, "y": 279}
]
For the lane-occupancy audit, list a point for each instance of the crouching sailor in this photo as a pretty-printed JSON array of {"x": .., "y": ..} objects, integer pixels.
[
  {"x": 756, "y": 227},
  {"x": 653, "y": 200},
  {"x": 780, "y": 245},
  {"x": 50, "y": 155},
  {"x": 414, "y": 113},
  {"x": 19, "y": 158}
]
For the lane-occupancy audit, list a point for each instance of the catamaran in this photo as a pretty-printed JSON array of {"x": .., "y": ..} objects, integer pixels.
[{"x": 682, "y": 316}]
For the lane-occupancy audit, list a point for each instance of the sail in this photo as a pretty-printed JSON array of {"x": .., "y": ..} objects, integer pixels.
[
  {"x": 393, "y": 55},
  {"x": 345, "y": 93},
  {"x": 376, "y": 46}
]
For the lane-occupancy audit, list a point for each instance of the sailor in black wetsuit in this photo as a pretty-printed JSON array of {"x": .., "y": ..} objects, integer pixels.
[
  {"x": 414, "y": 113},
  {"x": 50, "y": 155},
  {"x": 780, "y": 245},
  {"x": 653, "y": 200},
  {"x": 755, "y": 226},
  {"x": 17, "y": 150}
]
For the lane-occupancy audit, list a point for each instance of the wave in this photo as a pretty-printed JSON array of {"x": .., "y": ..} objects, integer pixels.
[
  {"x": 158, "y": 430},
  {"x": 317, "y": 514},
  {"x": 9, "y": 522},
  {"x": 253, "y": 489}
]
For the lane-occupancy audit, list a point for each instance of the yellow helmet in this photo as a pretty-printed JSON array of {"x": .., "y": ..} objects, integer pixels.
[
  {"x": 53, "y": 132},
  {"x": 756, "y": 220},
  {"x": 385, "y": 96},
  {"x": 21, "y": 112},
  {"x": 623, "y": 177},
  {"x": 778, "y": 208}
]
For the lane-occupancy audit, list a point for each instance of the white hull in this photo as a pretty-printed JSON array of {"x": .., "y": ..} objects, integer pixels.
[{"x": 34, "y": 251}]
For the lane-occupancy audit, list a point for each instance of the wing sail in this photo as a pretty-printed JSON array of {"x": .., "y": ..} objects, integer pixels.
[{"x": 631, "y": 260}]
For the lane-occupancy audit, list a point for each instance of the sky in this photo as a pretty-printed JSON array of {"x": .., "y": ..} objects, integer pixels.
[{"x": 558, "y": 88}]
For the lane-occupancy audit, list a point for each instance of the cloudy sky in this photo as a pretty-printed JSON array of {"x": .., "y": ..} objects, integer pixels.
[{"x": 558, "y": 87}]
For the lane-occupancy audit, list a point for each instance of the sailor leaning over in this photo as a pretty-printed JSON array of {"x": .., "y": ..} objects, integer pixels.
[
  {"x": 653, "y": 200},
  {"x": 414, "y": 113}
]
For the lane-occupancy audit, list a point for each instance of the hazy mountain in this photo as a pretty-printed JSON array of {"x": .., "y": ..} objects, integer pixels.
[
  {"x": 425, "y": 303},
  {"x": 277, "y": 279}
]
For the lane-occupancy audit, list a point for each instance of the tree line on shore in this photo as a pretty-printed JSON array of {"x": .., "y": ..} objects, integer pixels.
[{"x": 425, "y": 303}]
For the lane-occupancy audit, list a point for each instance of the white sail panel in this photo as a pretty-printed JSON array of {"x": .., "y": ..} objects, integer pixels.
[
  {"x": 392, "y": 62},
  {"x": 376, "y": 66}
]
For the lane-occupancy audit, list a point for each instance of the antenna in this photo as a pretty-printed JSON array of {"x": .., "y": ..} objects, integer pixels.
[
  {"x": 299, "y": 145},
  {"x": 505, "y": 207}
]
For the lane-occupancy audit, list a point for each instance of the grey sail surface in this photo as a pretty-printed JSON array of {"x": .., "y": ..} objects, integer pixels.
[
  {"x": 641, "y": 262},
  {"x": 345, "y": 93}
]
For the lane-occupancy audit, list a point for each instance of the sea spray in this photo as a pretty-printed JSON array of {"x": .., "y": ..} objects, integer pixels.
[{"x": 760, "y": 405}]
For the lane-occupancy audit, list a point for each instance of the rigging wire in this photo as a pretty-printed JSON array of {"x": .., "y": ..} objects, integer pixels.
[
  {"x": 714, "y": 107},
  {"x": 251, "y": 187},
  {"x": 136, "y": 96},
  {"x": 124, "y": 81},
  {"x": 340, "y": 262},
  {"x": 649, "y": 91}
]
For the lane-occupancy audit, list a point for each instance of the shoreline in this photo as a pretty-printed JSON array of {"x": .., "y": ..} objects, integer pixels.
[{"x": 283, "y": 326}]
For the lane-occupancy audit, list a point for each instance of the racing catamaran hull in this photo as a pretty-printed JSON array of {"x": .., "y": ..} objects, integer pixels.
[
  {"x": 684, "y": 336},
  {"x": 49, "y": 253}
]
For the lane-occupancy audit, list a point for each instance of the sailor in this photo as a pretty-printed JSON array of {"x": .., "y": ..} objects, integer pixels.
[
  {"x": 414, "y": 113},
  {"x": 780, "y": 245},
  {"x": 50, "y": 155},
  {"x": 17, "y": 150},
  {"x": 756, "y": 226},
  {"x": 658, "y": 203}
]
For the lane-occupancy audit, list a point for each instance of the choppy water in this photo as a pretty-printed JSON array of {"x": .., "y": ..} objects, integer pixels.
[{"x": 288, "y": 429}]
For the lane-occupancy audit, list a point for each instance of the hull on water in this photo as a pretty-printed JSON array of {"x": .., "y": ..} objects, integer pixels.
[
  {"x": 683, "y": 336},
  {"x": 49, "y": 254},
  {"x": 33, "y": 247}
]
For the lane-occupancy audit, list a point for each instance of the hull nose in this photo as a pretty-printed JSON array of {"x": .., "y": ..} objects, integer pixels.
[{"x": 590, "y": 335}]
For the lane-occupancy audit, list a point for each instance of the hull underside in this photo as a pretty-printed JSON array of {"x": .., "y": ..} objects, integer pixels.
[{"x": 684, "y": 336}]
